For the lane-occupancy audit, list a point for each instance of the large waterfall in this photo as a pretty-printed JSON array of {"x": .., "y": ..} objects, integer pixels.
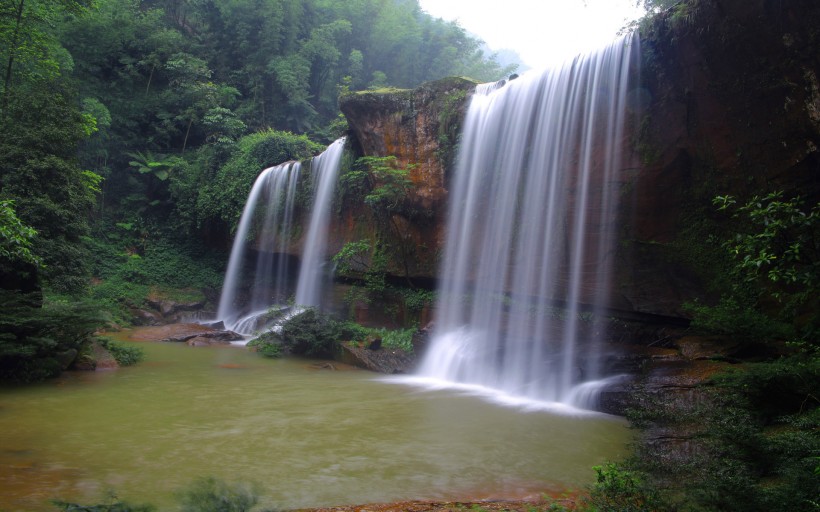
[
  {"x": 267, "y": 225},
  {"x": 530, "y": 227}
]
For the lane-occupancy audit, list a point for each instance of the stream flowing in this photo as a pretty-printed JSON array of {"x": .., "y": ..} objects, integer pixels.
[{"x": 306, "y": 436}]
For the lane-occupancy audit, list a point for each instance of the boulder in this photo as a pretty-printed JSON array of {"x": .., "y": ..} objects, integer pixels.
[
  {"x": 104, "y": 360},
  {"x": 182, "y": 333},
  {"x": 66, "y": 358},
  {"x": 384, "y": 360},
  {"x": 213, "y": 337},
  {"x": 145, "y": 317},
  {"x": 205, "y": 341}
]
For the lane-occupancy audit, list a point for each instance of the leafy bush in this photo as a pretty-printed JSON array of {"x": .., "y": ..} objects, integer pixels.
[
  {"x": 223, "y": 196},
  {"x": 399, "y": 338},
  {"x": 126, "y": 355},
  {"x": 113, "y": 506},
  {"x": 732, "y": 317},
  {"x": 126, "y": 278},
  {"x": 212, "y": 495},
  {"x": 36, "y": 339},
  {"x": 617, "y": 489},
  {"x": 317, "y": 334},
  {"x": 203, "y": 495},
  {"x": 269, "y": 344},
  {"x": 312, "y": 333}
]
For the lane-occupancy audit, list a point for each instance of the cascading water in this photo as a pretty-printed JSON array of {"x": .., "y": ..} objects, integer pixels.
[
  {"x": 324, "y": 170},
  {"x": 270, "y": 207},
  {"x": 531, "y": 219}
]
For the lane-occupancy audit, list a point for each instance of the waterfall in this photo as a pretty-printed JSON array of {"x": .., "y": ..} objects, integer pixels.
[
  {"x": 324, "y": 171},
  {"x": 531, "y": 219},
  {"x": 268, "y": 209},
  {"x": 268, "y": 216}
]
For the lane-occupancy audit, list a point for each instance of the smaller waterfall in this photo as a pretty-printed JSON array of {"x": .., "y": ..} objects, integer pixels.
[
  {"x": 268, "y": 216},
  {"x": 324, "y": 170},
  {"x": 267, "y": 223}
]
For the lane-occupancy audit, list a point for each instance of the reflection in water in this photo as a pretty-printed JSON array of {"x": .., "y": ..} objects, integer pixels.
[{"x": 308, "y": 437}]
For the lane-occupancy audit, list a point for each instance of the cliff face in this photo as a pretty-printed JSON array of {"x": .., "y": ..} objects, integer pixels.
[
  {"x": 419, "y": 128},
  {"x": 730, "y": 105},
  {"x": 733, "y": 109}
]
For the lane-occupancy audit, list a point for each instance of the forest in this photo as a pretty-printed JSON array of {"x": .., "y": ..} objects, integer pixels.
[{"x": 132, "y": 130}]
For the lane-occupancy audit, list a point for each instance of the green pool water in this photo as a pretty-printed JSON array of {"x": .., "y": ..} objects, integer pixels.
[{"x": 306, "y": 436}]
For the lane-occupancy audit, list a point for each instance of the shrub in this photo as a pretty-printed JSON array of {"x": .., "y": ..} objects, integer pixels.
[
  {"x": 114, "y": 505},
  {"x": 269, "y": 344},
  {"x": 212, "y": 495},
  {"x": 126, "y": 355},
  {"x": 399, "y": 338},
  {"x": 617, "y": 489},
  {"x": 223, "y": 195},
  {"x": 35, "y": 341},
  {"x": 731, "y": 316}
]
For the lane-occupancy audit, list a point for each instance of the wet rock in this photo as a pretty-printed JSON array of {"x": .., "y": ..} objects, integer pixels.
[
  {"x": 390, "y": 361},
  {"x": 66, "y": 358},
  {"x": 84, "y": 363},
  {"x": 205, "y": 341},
  {"x": 421, "y": 339},
  {"x": 183, "y": 332},
  {"x": 144, "y": 317},
  {"x": 169, "y": 311},
  {"x": 214, "y": 337},
  {"x": 104, "y": 360},
  {"x": 216, "y": 324}
]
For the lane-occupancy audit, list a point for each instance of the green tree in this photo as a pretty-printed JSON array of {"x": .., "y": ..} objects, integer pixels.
[
  {"x": 221, "y": 193},
  {"x": 28, "y": 48},
  {"x": 15, "y": 237},
  {"x": 40, "y": 172}
]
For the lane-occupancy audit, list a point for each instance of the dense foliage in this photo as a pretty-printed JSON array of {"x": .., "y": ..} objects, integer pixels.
[
  {"x": 207, "y": 494},
  {"x": 132, "y": 130},
  {"x": 316, "y": 334},
  {"x": 753, "y": 433},
  {"x": 39, "y": 340}
]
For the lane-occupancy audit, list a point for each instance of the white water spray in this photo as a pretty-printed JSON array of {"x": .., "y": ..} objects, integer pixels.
[
  {"x": 269, "y": 208},
  {"x": 531, "y": 220},
  {"x": 324, "y": 170},
  {"x": 268, "y": 216}
]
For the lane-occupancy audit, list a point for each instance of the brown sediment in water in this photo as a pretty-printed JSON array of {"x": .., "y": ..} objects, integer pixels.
[
  {"x": 161, "y": 332},
  {"x": 522, "y": 503},
  {"x": 453, "y": 506}
]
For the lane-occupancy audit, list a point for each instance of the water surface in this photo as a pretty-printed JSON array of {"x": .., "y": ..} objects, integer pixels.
[{"x": 308, "y": 437}]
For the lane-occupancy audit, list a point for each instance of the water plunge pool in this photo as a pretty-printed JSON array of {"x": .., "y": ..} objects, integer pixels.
[{"x": 308, "y": 437}]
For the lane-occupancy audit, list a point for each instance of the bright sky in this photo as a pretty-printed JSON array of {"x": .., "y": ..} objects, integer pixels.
[{"x": 543, "y": 32}]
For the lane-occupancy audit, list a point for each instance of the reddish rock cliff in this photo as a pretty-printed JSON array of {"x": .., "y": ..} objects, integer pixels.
[
  {"x": 420, "y": 128},
  {"x": 730, "y": 104},
  {"x": 733, "y": 109}
]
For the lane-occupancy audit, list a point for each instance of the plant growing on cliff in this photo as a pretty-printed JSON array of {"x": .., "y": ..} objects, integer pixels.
[
  {"x": 383, "y": 185},
  {"x": 754, "y": 440},
  {"x": 782, "y": 241},
  {"x": 379, "y": 182},
  {"x": 366, "y": 263}
]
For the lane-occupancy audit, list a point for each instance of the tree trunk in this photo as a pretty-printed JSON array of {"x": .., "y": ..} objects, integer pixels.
[
  {"x": 150, "y": 76},
  {"x": 187, "y": 132},
  {"x": 12, "y": 49}
]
